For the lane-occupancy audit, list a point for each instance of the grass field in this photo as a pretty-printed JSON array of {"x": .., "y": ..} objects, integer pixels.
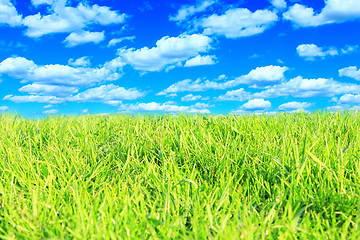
[{"x": 289, "y": 176}]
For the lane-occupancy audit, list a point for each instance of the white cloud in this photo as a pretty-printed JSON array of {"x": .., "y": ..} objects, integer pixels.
[
  {"x": 52, "y": 90},
  {"x": 335, "y": 11},
  {"x": 168, "y": 51},
  {"x": 114, "y": 102},
  {"x": 186, "y": 11},
  {"x": 80, "y": 62},
  {"x": 115, "y": 41},
  {"x": 256, "y": 104},
  {"x": 306, "y": 88},
  {"x": 310, "y": 51},
  {"x": 48, "y": 106},
  {"x": 202, "y": 105},
  {"x": 17, "y": 67},
  {"x": 234, "y": 95},
  {"x": 279, "y": 4},
  {"x": 200, "y": 60},
  {"x": 290, "y": 106},
  {"x": 34, "y": 98},
  {"x": 69, "y": 19},
  {"x": 85, "y": 110},
  {"x": 172, "y": 95},
  {"x": 107, "y": 93},
  {"x": 153, "y": 106},
  {"x": 261, "y": 76},
  {"x": 239, "y": 22},
  {"x": 297, "y": 87},
  {"x": 52, "y": 111},
  {"x": 190, "y": 97},
  {"x": 4, "y": 108},
  {"x": 9, "y": 14},
  {"x": 350, "y": 72},
  {"x": 221, "y": 77},
  {"x": 61, "y": 74},
  {"x": 40, "y": 2},
  {"x": 83, "y": 37},
  {"x": 347, "y": 99},
  {"x": 349, "y": 49}
]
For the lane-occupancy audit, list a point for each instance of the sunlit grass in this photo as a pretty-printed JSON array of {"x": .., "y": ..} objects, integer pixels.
[{"x": 289, "y": 176}]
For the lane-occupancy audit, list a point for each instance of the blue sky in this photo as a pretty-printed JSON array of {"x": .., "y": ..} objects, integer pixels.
[{"x": 207, "y": 56}]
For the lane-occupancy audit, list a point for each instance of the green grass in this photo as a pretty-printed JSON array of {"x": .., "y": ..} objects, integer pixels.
[{"x": 289, "y": 176}]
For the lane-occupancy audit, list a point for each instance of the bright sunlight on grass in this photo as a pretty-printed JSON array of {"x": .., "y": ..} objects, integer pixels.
[{"x": 289, "y": 176}]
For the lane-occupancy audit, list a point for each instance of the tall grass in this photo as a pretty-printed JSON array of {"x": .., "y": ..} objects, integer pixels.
[{"x": 289, "y": 176}]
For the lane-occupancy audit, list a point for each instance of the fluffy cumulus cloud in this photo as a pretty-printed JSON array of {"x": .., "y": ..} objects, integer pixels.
[
  {"x": 4, "y": 108},
  {"x": 279, "y": 4},
  {"x": 69, "y": 19},
  {"x": 187, "y": 11},
  {"x": 347, "y": 99},
  {"x": 263, "y": 76},
  {"x": 239, "y": 22},
  {"x": 259, "y": 77},
  {"x": 291, "y": 106},
  {"x": 9, "y": 14},
  {"x": 311, "y": 51},
  {"x": 165, "y": 107},
  {"x": 83, "y": 37},
  {"x": 256, "y": 105},
  {"x": 335, "y": 11},
  {"x": 107, "y": 93},
  {"x": 350, "y": 72},
  {"x": 80, "y": 62},
  {"x": 200, "y": 60},
  {"x": 115, "y": 41},
  {"x": 168, "y": 51},
  {"x": 52, "y": 90},
  {"x": 19, "y": 67}
]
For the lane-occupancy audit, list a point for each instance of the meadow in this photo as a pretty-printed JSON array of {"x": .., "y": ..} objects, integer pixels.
[{"x": 285, "y": 176}]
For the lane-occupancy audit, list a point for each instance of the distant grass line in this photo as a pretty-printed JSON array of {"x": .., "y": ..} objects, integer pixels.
[{"x": 289, "y": 176}]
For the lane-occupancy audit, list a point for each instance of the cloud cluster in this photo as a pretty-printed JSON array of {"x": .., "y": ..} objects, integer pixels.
[
  {"x": 191, "y": 97},
  {"x": 69, "y": 19},
  {"x": 238, "y": 22},
  {"x": 297, "y": 87},
  {"x": 259, "y": 77},
  {"x": 165, "y": 107},
  {"x": 9, "y": 14},
  {"x": 335, "y": 11},
  {"x": 80, "y": 62},
  {"x": 291, "y": 106},
  {"x": 350, "y": 72},
  {"x": 78, "y": 38},
  {"x": 311, "y": 51},
  {"x": 115, "y": 41},
  {"x": 22, "y": 68},
  {"x": 168, "y": 51},
  {"x": 4, "y": 108},
  {"x": 106, "y": 93},
  {"x": 186, "y": 11},
  {"x": 279, "y": 4}
]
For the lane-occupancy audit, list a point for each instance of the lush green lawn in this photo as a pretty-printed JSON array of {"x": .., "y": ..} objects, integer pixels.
[{"x": 293, "y": 176}]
